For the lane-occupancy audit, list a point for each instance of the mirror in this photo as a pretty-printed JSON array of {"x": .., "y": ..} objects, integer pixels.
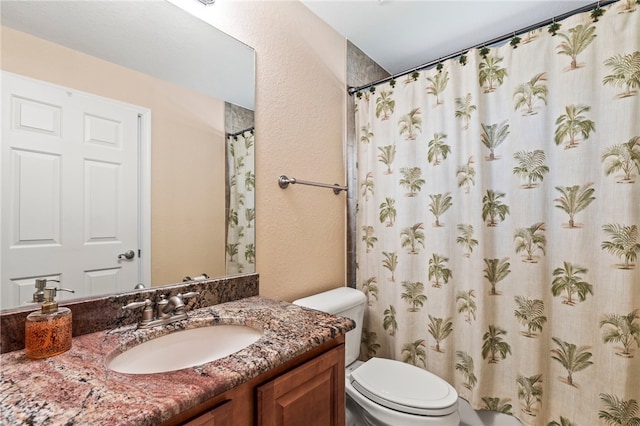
[{"x": 197, "y": 85}]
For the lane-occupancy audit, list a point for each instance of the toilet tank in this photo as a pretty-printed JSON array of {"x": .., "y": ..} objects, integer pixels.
[{"x": 345, "y": 302}]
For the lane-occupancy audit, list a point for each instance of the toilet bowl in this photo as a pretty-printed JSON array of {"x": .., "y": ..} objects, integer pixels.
[
  {"x": 395, "y": 393},
  {"x": 384, "y": 392}
]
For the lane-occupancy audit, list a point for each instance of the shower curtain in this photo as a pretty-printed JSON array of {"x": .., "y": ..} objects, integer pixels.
[
  {"x": 497, "y": 218},
  {"x": 240, "y": 246}
]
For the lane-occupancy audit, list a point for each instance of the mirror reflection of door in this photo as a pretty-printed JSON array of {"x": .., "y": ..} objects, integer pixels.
[
  {"x": 69, "y": 168},
  {"x": 143, "y": 53}
]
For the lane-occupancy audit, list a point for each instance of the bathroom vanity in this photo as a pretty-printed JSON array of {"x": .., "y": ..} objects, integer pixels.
[
  {"x": 307, "y": 391},
  {"x": 294, "y": 374}
]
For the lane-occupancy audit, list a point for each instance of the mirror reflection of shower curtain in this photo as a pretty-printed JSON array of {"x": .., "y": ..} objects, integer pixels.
[
  {"x": 498, "y": 216},
  {"x": 240, "y": 242}
]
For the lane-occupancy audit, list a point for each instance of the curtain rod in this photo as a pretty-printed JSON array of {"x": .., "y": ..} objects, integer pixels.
[
  {"x": 352, "y": 90},
  {"x": 249, "y": 129}
]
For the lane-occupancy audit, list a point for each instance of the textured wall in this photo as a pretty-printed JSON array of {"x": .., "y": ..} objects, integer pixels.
[{"x": 300, "y": 126}]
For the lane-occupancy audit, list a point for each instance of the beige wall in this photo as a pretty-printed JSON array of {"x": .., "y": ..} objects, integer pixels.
[
  {"x": 300, "y": 127},
  {"x": 187, "y": 150}
]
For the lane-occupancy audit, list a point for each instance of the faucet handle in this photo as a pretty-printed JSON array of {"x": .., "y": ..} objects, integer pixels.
[
  {"x": 177, "y": 302},
  {"x": 147, "y": 312},
  {"x": 189, "y": 294},
  {"x": 136, "y": 305}
]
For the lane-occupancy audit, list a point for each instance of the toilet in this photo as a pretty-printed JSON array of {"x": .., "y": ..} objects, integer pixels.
[{"x": 384, "y": 392}]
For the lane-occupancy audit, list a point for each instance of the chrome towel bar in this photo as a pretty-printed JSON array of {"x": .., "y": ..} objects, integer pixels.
[{"x": 284, "y": 182}]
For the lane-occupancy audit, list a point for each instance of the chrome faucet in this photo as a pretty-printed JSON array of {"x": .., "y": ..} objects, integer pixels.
[{"x": 166, "y": 312}]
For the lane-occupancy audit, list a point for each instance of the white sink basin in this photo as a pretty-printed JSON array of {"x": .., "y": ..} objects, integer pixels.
[{"x": 184, "y": 349}]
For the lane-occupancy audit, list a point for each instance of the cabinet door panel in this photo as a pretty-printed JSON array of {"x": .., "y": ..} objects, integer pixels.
[
  {"x": 312, "y": 400},
  {"x": 310, "y": 395},
  {"x": 222, "y": 415}
]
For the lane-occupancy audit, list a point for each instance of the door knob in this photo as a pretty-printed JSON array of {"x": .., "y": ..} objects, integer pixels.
[{"x": 129, "y": 254}]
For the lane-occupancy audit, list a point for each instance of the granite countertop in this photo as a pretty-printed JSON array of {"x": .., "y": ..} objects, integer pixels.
[{"x": 76, "y": 387}]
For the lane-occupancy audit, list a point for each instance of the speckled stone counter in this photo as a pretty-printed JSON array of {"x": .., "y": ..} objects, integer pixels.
[{"x": 76, "y": 387}]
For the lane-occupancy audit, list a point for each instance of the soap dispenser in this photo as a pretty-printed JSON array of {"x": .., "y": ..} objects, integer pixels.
[
  {"x": 38, "y": 296},
  {"x": 48, "y": 332}
]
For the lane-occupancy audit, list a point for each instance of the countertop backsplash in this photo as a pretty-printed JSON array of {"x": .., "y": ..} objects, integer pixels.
[{"x": 104, "y": 313}]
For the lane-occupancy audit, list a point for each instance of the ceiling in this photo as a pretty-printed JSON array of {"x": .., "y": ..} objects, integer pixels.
[
  {"x": 401, "y": 35},
  {"x": 398, "y": 34}
]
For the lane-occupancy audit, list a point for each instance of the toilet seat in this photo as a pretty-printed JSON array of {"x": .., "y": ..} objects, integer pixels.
[{"x": 404, "y": 387}]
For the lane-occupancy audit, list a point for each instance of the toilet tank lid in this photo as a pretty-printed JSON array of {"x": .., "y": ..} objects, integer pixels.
[{"x": 333, "y": 301}]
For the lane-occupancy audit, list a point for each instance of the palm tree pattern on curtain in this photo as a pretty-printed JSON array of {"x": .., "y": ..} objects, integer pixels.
[
  {"x": 240, "y": 246},
  {"x": 498, "y": 217}
]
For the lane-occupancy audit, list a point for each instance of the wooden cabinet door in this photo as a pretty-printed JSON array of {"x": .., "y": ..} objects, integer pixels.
[
  {"x": 309, "y": 395},
  {"x": 222, "y": 415}
]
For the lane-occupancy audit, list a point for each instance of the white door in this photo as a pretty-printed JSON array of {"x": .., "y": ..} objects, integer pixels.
[{"x": 69, "y": 191}]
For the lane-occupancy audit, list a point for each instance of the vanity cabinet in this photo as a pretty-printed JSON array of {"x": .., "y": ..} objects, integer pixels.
[
  {"x": 310, "y": 395},
  {"x": 222, "y": 415},
  {"x": 308, "y": 390}
]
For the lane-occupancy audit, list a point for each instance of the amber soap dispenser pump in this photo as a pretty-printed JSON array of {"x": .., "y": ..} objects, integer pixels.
[{"x": 48, "y": 332}]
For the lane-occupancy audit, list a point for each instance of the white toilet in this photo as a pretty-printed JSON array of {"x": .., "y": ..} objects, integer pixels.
[{"x": 384, "y": 392}]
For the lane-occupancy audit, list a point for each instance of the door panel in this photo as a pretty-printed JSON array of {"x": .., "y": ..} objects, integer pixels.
[
  {"x": 103, "y": 281},
  {"x": 30, "y": 115},
  {"x": 35, "y": 198},
  {"x": 221, "y": 415},
  {"x": 69, "y": 169},
  {"x": 102, "y": 182},
  {"x": 310, "y": 395}
]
